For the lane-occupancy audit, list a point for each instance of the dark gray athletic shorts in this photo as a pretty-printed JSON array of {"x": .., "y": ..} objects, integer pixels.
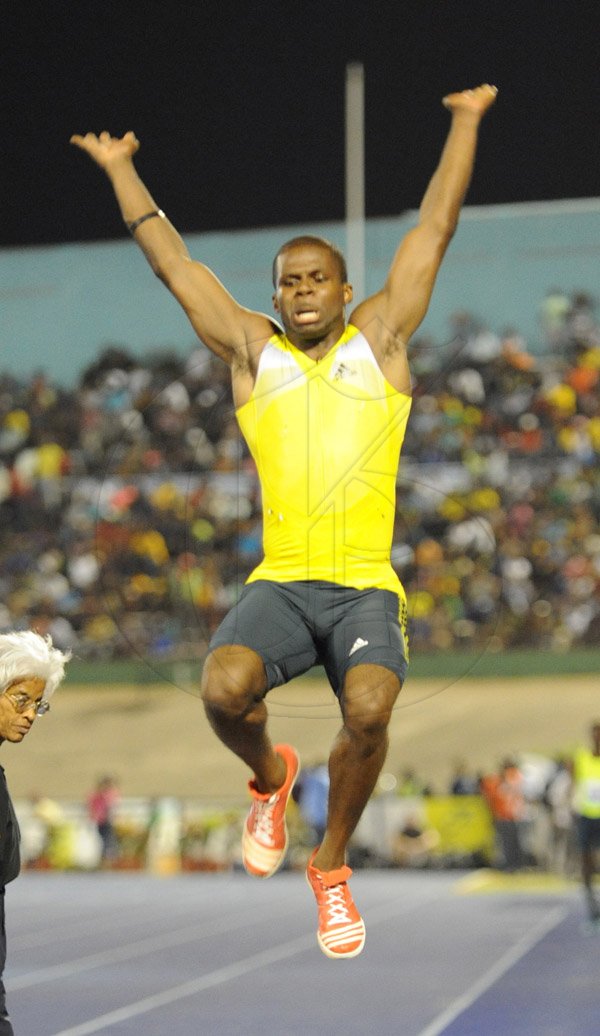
[
  {"x": 295, "y": 626},
  {"x": 588, "y": 833}
]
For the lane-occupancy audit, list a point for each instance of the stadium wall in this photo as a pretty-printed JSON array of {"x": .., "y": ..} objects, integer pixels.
[
  {"x": 63, "y": 304},
  {"x": 452, "y": 665}
]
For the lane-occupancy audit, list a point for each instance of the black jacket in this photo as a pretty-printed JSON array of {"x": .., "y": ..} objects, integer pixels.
[{"x": 10, "y": 857}]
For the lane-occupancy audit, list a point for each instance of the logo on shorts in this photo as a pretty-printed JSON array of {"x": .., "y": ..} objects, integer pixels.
[{"x": 358, "y": 643}]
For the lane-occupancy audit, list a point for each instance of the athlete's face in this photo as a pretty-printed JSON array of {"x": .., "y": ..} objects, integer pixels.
[{"x": 310, "y": 295}]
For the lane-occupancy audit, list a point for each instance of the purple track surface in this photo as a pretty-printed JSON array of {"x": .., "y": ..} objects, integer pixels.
[{"x": 225, "y": 954}]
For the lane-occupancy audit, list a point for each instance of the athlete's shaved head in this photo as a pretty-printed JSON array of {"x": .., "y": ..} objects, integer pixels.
[{"x": 310, "y": 239}]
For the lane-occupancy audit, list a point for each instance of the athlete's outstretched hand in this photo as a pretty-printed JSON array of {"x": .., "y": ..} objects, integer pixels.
[
  {"x": 107, "y": 150},
  {"x": 477, "y": 100}
]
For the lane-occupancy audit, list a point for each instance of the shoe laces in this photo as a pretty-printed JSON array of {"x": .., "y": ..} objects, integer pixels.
[
  {"x": 336, "y": 905},
  {"x": 263, "y": 819}
]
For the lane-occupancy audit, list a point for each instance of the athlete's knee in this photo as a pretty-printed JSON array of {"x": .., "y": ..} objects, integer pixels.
[
  {"x": 368, "y": 715},
  {"x": 233, "y": 681},
  {"x": 367, "y": 706}
]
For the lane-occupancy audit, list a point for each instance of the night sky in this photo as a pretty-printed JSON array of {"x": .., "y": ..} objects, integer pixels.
[{"x": 241, "y": 117}]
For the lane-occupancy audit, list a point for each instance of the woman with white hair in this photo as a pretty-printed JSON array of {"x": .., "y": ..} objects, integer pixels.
[{"x": 31, "y": 669}]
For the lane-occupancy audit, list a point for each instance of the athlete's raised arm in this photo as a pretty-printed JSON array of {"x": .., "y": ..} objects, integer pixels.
[
  {"x": 228, "y": 329},
  {"x": 391, "y": 316}
]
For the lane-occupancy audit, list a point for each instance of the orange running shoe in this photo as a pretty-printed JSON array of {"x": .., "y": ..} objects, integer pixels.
[
  {"x": 341, "y": 928},
  {"x": 265, "y": 837}
]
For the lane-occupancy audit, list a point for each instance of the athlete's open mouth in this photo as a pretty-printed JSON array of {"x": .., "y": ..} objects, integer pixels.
[{"x": 306, "y": 316}]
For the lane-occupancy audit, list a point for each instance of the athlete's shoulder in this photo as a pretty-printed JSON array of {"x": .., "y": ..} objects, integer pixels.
[
  {"x": 277, "y": 340},
  {"x": 352, "y": 331}
]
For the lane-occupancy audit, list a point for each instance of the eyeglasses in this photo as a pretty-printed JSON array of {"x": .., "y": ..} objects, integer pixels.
[{"x": 22, "y": 702}]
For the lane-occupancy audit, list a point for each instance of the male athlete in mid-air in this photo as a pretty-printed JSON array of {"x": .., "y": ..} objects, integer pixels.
[{"x": 323, "y": 404}]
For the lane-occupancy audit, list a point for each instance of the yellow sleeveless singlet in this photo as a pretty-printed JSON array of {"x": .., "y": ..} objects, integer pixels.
[
  {"x": 326, "y": 437},
  {"x": 586, "y": 799}
]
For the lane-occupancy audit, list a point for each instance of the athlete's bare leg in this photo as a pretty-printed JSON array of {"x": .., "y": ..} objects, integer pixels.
[
  {"x": 233, "y": 686},
  {"x": 588, "y": 867},
  {"x": 357, "y": 756}
]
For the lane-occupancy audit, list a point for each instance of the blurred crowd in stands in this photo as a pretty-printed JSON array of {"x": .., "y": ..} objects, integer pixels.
[{"x": 130, "y": 512}]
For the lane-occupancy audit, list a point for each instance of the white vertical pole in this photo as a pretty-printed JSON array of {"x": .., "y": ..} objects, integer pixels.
[{"x": 355, "y": 178}]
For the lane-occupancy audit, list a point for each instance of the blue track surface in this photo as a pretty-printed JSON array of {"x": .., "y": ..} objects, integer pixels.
[{"x": 226, "y": 955}]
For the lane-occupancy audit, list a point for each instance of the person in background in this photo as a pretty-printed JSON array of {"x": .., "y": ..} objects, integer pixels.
[
  {"x": 585, "y": 769},
  {"x": 410, "y": 785},
  {"x": 503, "y": 792},
  {"x": 51, "y": 818},
  {"x": 558, "y": 798},
  {"x": 414, "y": 842},
  {"x": 31, "y": 669},
  {"x": 311, "y": 794},
  {"x": 101, "y": 806},
  {"x": 462, "y": 782}
]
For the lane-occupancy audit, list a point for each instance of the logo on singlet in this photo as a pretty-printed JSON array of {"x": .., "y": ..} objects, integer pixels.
[{"x": 341, "y": 370}]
